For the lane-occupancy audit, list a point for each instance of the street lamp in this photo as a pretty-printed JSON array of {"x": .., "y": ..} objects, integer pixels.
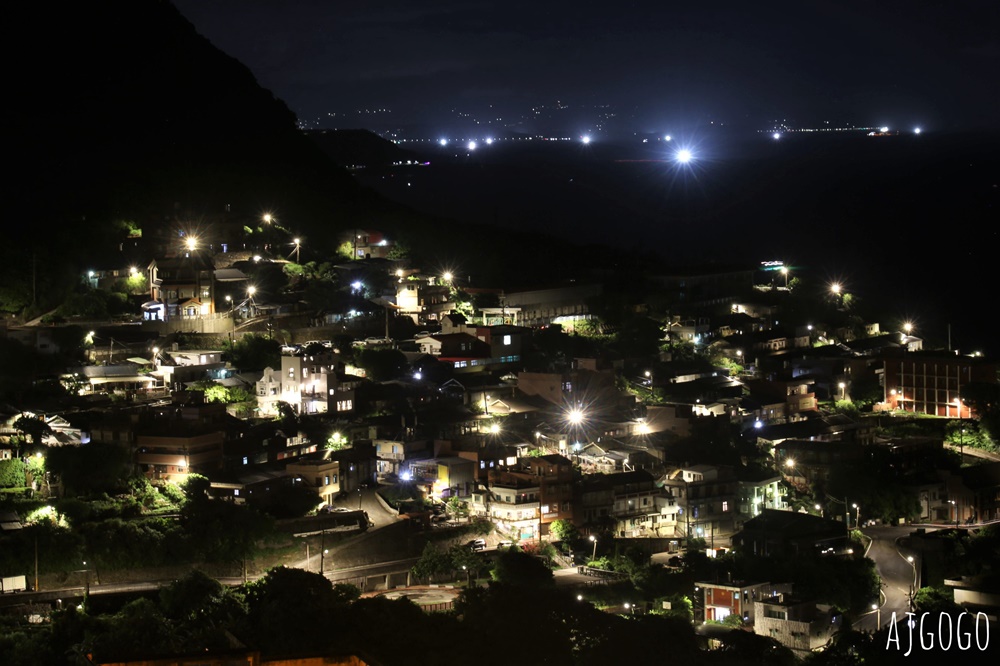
[
  {"x": 784, "y": 271},
  {"x": 857, "y": 516},
  {"x": 593, "y": 555},
  {"x": 842, "y": 386},
  {"x": 298, "y": 248},
  {"x": 878, "y": 616}
]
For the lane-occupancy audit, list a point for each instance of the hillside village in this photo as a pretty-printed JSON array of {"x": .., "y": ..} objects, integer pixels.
[{"x": 723, "y": 411}]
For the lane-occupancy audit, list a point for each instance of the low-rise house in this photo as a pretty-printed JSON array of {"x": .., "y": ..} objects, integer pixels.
[
  {"x": 801, "y": 626},
  {"x": 514, "y": 505},
  {"x": 707, "y": 497},
  {"x": 720, "y": 600},
  {"x": 791, "y": 533},
  {"x": 332, "y": 473},
  {"x": 762, "y": 492}
]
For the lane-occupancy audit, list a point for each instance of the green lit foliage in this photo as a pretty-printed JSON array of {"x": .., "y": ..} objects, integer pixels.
[
  {"x": 12, "y": 473},
  {"x": 968, "y": 433},
  {"x": 337, "y": 441},
  {"x": 564, "y": 530}
]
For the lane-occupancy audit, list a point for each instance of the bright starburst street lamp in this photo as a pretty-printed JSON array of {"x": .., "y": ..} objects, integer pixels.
[
  {"x": 585, "y": 139},
  {"x": 684, "y": 156}
]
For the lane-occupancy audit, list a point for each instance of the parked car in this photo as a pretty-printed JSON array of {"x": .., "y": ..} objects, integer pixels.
[
  {"x": 477, "y": 544},
  {"x": 506, "y": 543}
]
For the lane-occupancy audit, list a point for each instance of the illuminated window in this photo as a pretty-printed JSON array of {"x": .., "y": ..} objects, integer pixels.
[{"x": 506, "y": 340}]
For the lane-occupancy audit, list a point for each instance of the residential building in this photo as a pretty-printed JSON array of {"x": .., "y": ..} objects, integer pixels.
[
  {"x": 515, "y": 506},
  {"x": 761, "y": 493},
  {"x": 707, "y": 496},
  {"x": 801, "y": 626},
  {"x": 931, "y": 382},
  {"x": 791, "y": 533},
  {"x": 720, "y": 600},
  {"x": 181, "y": 287}
]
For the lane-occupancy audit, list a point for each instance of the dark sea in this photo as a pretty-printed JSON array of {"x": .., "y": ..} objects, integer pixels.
[{"x": 912, "y": 222}]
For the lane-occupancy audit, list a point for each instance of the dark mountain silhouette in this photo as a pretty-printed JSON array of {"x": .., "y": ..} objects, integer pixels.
[{"x": 121, "y": 111}]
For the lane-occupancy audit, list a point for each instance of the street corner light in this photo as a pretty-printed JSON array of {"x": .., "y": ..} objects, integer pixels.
[
  {"x": 489, "y": 142},
  {"x": 575, "y": 416},
  {"x": 835, "y": 287},
  {"x": 908, "y": 327},
  {"x": 443, "y": 142},
  {"x": 448, "y": 276},
  {"x": 790, "y": 462},
  {"x": 267, "y": 218},
  {"x": 251, "y": 290},
  {"x": 472, "y": 145},
  {"x": 585, "y": 138},
  {"x": 684, "y": 156},
  {"x": 668, "y": 138},
  {"x": 494, "y": 428},
  {"x": 776, "y": 136},
  {"x": 916, "y": 130},
  {"x": 909, "y": 558},
  {"x": 579, "y": 597}
]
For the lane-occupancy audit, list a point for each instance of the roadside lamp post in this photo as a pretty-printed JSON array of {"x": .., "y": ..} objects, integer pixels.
[
  {"x": 593, "y": 555},
  {"x": 842, "y": 386},
  {"x": 878, "y": 616},
  {"x": 857, "y": 516}
]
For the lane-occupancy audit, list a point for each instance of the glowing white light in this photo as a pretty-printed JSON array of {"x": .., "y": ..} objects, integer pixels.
[
  {"x": 916, "y": 131},
  {"x": 668, "y": 138},
  {"x": 405, "y": 476},
  {"x": 586, "y": 139},
  {"x": 776, "y": 135},
  {"x": 684, "y": 156},
  {"x": 356, "y": 285},
  {"x": 489, "y": 142},
  {"x": 885, "y": 129},
  {"x": 443, "y": 142},
  {"x": 472, "y": 145}
]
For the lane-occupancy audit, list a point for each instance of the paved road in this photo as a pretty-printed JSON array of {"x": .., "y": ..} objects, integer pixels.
[{"x": 896, "y": 573}]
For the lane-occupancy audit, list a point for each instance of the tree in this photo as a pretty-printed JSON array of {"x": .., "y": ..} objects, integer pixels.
[
  {"x": 433, "y": 562},
  {"x": 564, "y": 530},
  {"x": 33, "y": 427},
  {"x": 253, "y": 352},
  {"x": 519, "y": 569},
  {"x": 458, "y": 507},
  {"x": 92, "y": 468}
]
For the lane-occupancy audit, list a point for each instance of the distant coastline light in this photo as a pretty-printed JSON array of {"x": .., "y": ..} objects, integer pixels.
[
  {"x": 684, "y": 156},
  {"x": 472, "y": 145},
  {"x": 443, "y": 142},
  {"x": 585, "y": 139},
  {"x": 916, "y": 130},
  {"x": 776, "y": 135}
]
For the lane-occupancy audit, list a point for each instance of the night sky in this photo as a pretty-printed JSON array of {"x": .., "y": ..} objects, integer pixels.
[{"x": 653, "y": 64}]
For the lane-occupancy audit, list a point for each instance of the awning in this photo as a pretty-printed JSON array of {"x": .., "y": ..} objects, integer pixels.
[{"x": 123, "y": 379}]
